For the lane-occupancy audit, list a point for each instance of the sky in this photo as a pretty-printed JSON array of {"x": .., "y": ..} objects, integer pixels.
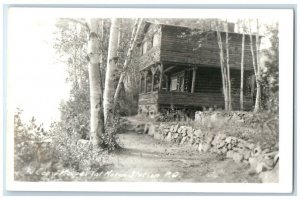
[{"x": 36, "y": 80}]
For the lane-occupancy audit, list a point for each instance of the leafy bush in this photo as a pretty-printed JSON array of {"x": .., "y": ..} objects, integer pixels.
[
  {"x": 74, "y": 152},
  {"x": 33, "y": 155},
  {"x": 53, "y": 155}
]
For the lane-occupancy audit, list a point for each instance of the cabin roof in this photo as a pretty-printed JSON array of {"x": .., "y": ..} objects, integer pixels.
[{"x": 148, "y": 23}]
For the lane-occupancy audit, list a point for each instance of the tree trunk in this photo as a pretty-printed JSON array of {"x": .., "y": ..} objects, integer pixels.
[
  {"x": 228, "y": 70},
  {"x": 97, "y": 117},
  {"x": 223, "y": 70},
  {"x": 242, "y": 74},
  {"x": 133, "y": 40},
  {"x": 256, "y": 69},
  {"x": 111, "y": 72},
  {"x": 257, "y": 106}
]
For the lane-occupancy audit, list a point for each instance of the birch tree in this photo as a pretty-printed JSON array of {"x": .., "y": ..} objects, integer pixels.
[
  {"x": 257, "y": 106},
  {"x": 134, "y": 35},
  {"x": 242, "y": 72},
  {"x": 228, "y": 70},
  {"x": 223, "y": 69},
  {"x": 111, "y": 72},
  {"x": 256, "y": 66},
  {"x": 94, "y": 57}
]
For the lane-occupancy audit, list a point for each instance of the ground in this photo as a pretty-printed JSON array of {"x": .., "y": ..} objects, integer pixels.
[{"x": 144, "y": 158}]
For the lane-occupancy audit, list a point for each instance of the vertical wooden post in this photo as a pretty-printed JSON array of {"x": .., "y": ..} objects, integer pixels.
[
  {"x": 193, "y": 80},
  {"x": 161, "y": 71},
  {"x": 141, "y": 78},
  {"x": 145, "y": 79},
  {"x": 167, "y": 82},
  {"x": 153, "y": 71}
]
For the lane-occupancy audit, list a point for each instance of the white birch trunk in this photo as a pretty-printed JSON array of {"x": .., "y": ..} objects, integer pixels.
[
  {"x": 133, "y": 40},
  {"x": 257, "y": 106},
  {"x": 223, "y": 70},
  {"x": 242, "y": 74},
  {"x": 228, "y": 71},
  {"x": 111, "y": 71},
  {"x": 97, "y": 118}
]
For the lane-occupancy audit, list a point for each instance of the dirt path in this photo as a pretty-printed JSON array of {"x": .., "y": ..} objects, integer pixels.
[{"x": 147, "y": 159}]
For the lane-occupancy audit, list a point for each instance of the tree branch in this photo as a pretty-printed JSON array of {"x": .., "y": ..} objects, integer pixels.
[{"x": 85, "y": 24}]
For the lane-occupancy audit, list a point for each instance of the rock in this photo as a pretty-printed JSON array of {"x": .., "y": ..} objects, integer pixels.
[
  {"x": 221, "y": 144},
  {"x": 241, "y": 148},
  {"x": 180, "y": 129},
  {"x": 188, "y": 140},
  {"x": 236, "y": 149},
  {"x": 271, "y": 176},
  {"x": 198, "y": 133},
  {"x": 228, "y": 140},
  {"x": 191, "y": 140},
  {"x": 222, "y": 136},
  {"x": 241, "y": 145},
  {"x": 175, "y": 135},
  {"x": 238, "y": 157},
  {"x": 247, "y": 154},
  {"x": 183, "y": 140},
  {"x": 206, "y": 147},
  {"x": 224, "y": 150},
  {"x": 169, "y": 137},
  {"x": 229, "y": 146},
  {"x": 250, "y": 145},
  {"x": 234, "y": 140},
  {"x": 175, "y": 128},
  {"x": 189, "y": 130},
  {"x": 214, "y": 117},
  {"x": 146, "y": 128},
  {"x": 165, "y": 132},
  {"x": 171, "y": 128},
  {"x": 178, "y": 139}
]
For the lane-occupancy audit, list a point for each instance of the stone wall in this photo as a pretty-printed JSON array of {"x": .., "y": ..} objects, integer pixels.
[{"x": 231, "y": 147}]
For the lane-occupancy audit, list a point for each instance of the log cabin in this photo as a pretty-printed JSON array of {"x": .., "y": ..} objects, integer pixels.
[{"x": 180, "y": 69}]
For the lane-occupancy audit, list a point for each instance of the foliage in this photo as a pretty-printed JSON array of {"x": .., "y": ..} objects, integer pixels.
[
  {"x": 71, "y": 48},
  {"x": 75, "y": 153},
  {"x": 33, "y": 157},
  {"x": 52, "y": 155},
  {"x": 270, "y": 75}
]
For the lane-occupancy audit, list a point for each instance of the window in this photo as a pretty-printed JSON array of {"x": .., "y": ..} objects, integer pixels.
[
  {"x": 145, "y": 48},
  {"x": 173, "y": 83},
  {"x": 178, "y": 82},
  {"x": 155, "y": 40}
]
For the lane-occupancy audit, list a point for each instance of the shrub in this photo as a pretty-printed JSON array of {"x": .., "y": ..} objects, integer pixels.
[
  {"x": 56, "y": 154},
  {"x": 33, "y": 155},
  {"x": 75, "y": 155}
]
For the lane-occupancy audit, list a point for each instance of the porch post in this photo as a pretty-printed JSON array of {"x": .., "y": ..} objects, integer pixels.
[
  {"x": 167, "y": 82},
  {"x": 193, "y": 80},
  {"x": 141, "y": 78},
  {"x": 145, "y": 80},
  {"x": 161, "y": 68},
  {"x": 153, "y": 71}
]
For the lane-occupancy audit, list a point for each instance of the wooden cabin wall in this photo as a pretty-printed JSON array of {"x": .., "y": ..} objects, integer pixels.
[
  {"x": 178, "y": 45},
  {"x": 198, "y": 100},
  {"x": 209, "y": 80},
  {"x": 209, "y": 89}
]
